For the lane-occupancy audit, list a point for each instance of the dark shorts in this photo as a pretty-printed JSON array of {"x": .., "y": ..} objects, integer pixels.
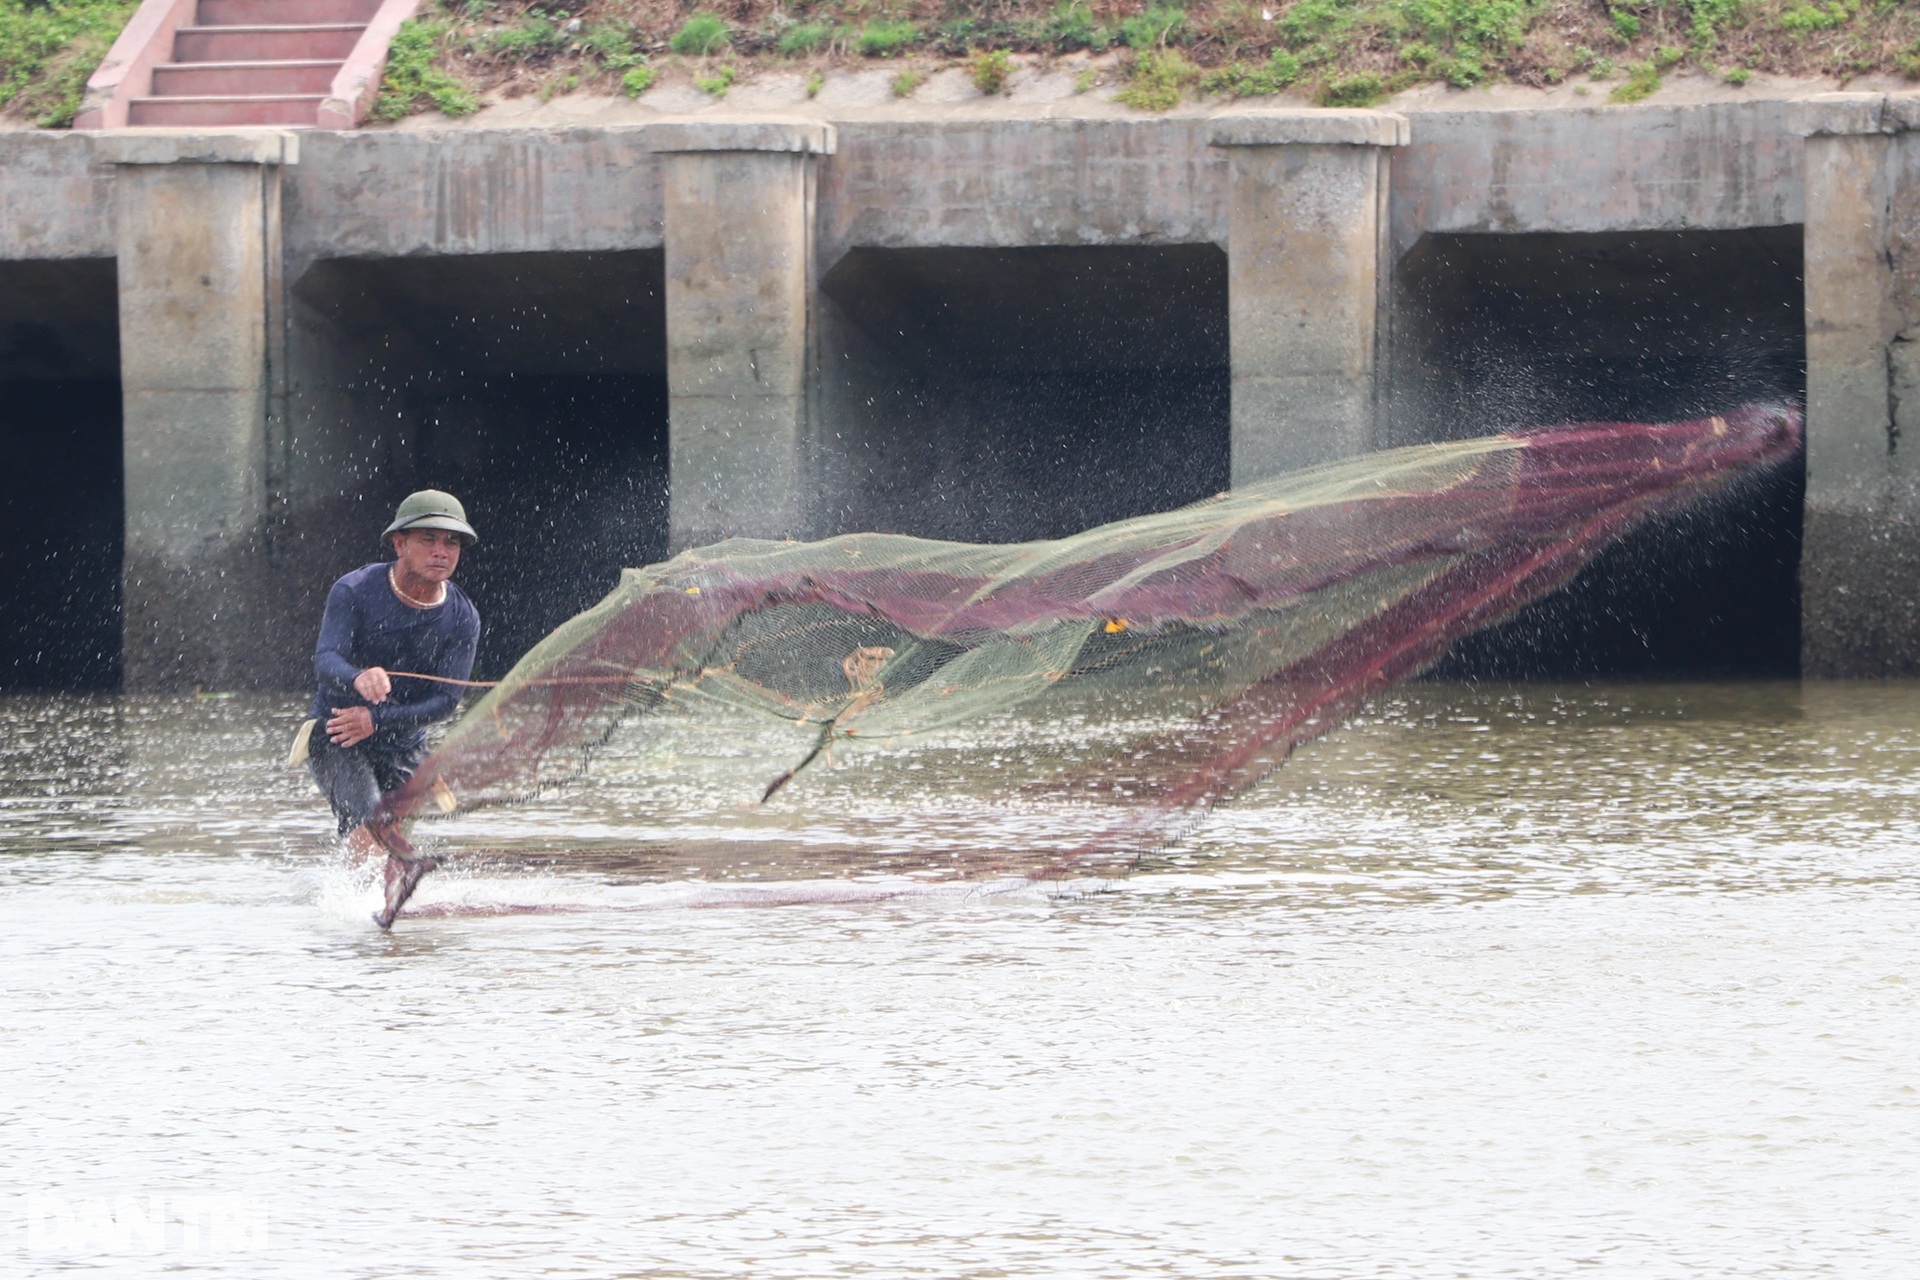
[{"x": 354, "y": 778}]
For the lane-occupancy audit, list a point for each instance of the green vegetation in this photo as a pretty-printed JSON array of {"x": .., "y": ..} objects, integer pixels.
[
  {"x": 1154, "y": 29},
  {"x": 1362, "y": 90},
  {"x": 989, "y": 69},
  {"x": 1334, "y": 52},
  {"x": 1644, "y": 77},
  {"x": 716, "y": 84},
  {"x": 534, "y": 34},
  {"x": 884, "y": 39},
  {"x": 1160, "y": 79},
  {"x": 416, "y": 80},
  {"x": 906, "y": 82},
  {"x": 637, "y": 80},
  {"x": 1156, "y": 52},
  {"x": 1710, "y": 17},
  {"x": 703, "y": 34},
  {"x": 612, "y": 44},
  {"x": 48, "y": 48},
  {"x": 1820, "y": 17},
  {"x": 1072, "y": 26},
  {"x": 806, "y": 37},
  {"x": 1243, "y": 80}
]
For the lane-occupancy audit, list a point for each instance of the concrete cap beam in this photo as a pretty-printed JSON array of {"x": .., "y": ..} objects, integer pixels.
[
  {"x": 806, "y": 137},
  {"x": 195, "y": 146},
  {"x": 1844, "y": 114},
  {"x": 1333, "y": 126}
]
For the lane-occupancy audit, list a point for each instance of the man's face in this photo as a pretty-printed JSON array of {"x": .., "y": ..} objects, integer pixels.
[{"x": 432, "y": 554}]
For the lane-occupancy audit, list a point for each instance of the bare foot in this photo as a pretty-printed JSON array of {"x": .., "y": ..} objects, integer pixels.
[{"x": 404, "y": 875}]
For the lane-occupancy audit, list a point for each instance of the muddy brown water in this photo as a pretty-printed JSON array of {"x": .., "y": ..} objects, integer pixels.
[{"x": 1495, "y": 981}]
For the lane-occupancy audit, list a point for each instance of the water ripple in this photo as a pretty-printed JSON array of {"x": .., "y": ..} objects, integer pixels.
[{"x": 1495, "y": 981}]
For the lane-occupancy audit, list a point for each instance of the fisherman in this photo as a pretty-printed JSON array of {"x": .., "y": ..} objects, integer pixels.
[{"x": 388, "y": 627}]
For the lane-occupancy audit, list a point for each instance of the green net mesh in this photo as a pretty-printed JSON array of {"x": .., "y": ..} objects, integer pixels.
[{"x": 1110, "y": 686}]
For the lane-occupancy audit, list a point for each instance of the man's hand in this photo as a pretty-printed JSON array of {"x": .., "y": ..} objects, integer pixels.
[
  {"x": 350, "y": 725},
  {"x": 373, "y": 685}
]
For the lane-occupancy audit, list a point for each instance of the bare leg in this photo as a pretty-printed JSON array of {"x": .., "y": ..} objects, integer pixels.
[
  {"x": 363, "y": 845},
  {"x": 353, "y": 780}
]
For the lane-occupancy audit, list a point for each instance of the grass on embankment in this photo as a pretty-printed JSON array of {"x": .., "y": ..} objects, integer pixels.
[
  {"x": 48, "y": 48},
  {"x": 1336, "y": 52}
]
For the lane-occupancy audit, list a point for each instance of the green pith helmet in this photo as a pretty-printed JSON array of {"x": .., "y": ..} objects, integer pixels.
[{"x": 431, "y": 509}]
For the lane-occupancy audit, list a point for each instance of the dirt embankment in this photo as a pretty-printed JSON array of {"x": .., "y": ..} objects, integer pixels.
[
  {"x": 579, "y": 61},
  {"x": 908, "y": 56}
]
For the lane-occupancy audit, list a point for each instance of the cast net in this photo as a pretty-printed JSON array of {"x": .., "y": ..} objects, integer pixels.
[{"x": 1098, "y": 692}]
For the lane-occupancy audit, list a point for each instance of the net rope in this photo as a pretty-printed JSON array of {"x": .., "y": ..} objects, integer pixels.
[{"x": 1249, "y": 622}]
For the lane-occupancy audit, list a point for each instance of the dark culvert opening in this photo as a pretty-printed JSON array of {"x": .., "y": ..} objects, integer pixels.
[
  {"x": 533, "y": 387},
  {"x": 1496, "y": 332},
  {"x": 62, "y": 527},
  {"x": 998, "y": 395}
]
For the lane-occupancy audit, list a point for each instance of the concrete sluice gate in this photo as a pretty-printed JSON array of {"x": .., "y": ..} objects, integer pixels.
[
  {"x": 617, "y": 342},
  {"x": 1494, "y": 332},
  {"x": 531, "y": 385},
  {"x": 60, "y": 523},
  {"x": 1002, "y": 395}
]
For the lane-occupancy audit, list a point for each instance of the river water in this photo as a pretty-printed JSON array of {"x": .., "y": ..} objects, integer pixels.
[{"x": 1526, "y": 981}]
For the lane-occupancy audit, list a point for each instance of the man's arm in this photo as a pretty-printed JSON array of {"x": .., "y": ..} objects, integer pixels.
[
  {"x": 332, "y": 653},
  {"x": 444, "y": 699}
]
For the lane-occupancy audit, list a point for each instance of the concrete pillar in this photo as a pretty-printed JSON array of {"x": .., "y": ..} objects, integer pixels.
[
  {"x": 1306, "y": 244},
  {"x": 199, "y": 282},
  {"x": 739, "y": 212},
  {"x": 1860, "y": 559}
]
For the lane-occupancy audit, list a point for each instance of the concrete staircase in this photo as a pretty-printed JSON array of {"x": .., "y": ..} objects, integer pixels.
[
  {"x": 196, "y": 64},
  {"x": 256, "y": 62}
]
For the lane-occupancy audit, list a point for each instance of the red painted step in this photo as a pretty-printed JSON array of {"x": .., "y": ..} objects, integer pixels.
[
  {"x": 266, "y": 44},
  {"x": 237, "y": 79},
  {"x": 262, "y": 110},
  {"x": 243, "y": 62},
  {"x": 276, "y": 13}
]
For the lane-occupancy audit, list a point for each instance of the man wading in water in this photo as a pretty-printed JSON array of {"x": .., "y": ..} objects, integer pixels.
[{"x": 386, "y": 625}]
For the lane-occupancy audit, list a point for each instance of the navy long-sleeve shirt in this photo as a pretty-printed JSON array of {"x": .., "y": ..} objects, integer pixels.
[{"x": 367, "y": 625}]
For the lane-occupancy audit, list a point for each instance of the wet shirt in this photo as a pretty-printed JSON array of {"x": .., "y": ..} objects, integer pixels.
[{"x": 367, "y": 625}]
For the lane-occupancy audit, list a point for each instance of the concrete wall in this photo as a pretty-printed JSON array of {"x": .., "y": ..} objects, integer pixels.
[
  {"x": 1003, "y": 184},
  {"x": 397, "y": 195},
  {"x": 1647, "y": 168},
  {"x": 739, "y": 226},
  {"x": 1307, "y": 240},
  {"x": 338, "y": 363},
  {"x": 54, "y": 201},
  {"x": 1862, "y": 563},
  {"x": 963, "y": 183},
  {"x": 200, "y": 291}
]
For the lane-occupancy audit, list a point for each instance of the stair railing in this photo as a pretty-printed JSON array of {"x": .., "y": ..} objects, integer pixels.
[
  {"x": 126, "y": 72},
  {"x": 357, "y": 83}
]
